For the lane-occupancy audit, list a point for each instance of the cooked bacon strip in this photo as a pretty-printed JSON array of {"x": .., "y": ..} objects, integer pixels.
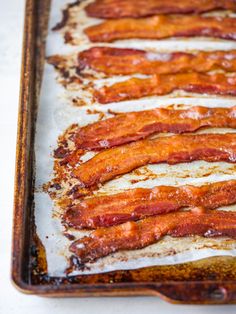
[
  {"x": 116, "y": 61},
  {"x": 133, "y": 126},
  {"x": 113, "y": 9},
  {"x": 106, "y": 211},
  {"x": 160, "y": 26},
  {"x": 162, "y": 84},
  {"x": 107, "y": 164},
  {"x": 137, "y": 235}
]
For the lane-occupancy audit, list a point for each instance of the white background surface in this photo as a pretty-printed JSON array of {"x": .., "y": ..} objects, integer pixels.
[{"x": 11, "y": 301}]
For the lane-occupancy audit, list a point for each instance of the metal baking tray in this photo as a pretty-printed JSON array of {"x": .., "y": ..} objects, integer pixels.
[{"x": 211, "y": 280}]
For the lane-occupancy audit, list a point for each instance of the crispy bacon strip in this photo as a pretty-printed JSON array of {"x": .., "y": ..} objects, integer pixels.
[
  {"x": 137, "y": 235},
  {"x": 133, "y": 126},
  {"x": 106, "y": 211},
  {"x": 161, "y": 26},
  {"x": 112, "y": 9},
  {"x": 116, "y": 61},
  {"x": 107, "y": 164},
  {"x": 163, "y": 84}
]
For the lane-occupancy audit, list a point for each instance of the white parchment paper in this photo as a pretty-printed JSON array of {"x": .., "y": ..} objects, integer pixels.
[{"x": 56, "y": 113}]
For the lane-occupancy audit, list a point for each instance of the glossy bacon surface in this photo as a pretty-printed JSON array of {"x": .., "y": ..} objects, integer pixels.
[
  {"x": 133, "y": 126},
  {"x": 112, "y": 9},
  {"x": 106, "y": 211},
  {"x": 137, "y": 235},
  {"x": 163, "y": 84},
  {"x": 161, "y": 26},
  {"x": 116, "y": 61},
  {"x": 107, "y": 164}
]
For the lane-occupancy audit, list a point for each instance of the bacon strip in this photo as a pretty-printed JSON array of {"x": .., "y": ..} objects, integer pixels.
[
  {"x": 116, "y": 61},
  {"x": 107, "y": 164},
  {"x": 133, "y": 126},
  {"x": 106, "y": 211},
  {"x": 137, "y": 235},
  {"x": 112, "y": 9},
  {"x": 163, "y": 84},
  {"x": 161, "y": 26}
]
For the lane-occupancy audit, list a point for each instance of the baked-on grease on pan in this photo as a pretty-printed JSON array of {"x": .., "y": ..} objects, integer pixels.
[
  {"x": 113, "y": 9},
  {"x": 163, "y": 84},
  {"x": 132, "y": 126},
  {"x": 160, "y": 26},
  {"x": 115, "y": 161},
  {"x": 121, "y": 61},
  {"x": 135, "y": 235},
  {"x": 139, "y": 203}
]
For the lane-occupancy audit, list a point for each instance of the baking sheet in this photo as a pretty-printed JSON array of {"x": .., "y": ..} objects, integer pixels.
[{"x": 56, "y": 113}]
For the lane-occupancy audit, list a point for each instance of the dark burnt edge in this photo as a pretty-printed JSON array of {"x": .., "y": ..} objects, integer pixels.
[
  {"x": 66, "y": 15},
  {"x": 64, "y": 76},
  {"x": 80, "y": 68},
  {"x": 63, "y": 71},
  {"x": 60, "y": 152},
  {"x": 75, "y": 264}
]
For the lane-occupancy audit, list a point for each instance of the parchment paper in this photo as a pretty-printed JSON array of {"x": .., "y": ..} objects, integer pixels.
[{"x": 56, "y": 113}]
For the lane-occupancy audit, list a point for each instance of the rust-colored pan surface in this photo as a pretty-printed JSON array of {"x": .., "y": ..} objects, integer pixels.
[{"x": 211, "y": 280}]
